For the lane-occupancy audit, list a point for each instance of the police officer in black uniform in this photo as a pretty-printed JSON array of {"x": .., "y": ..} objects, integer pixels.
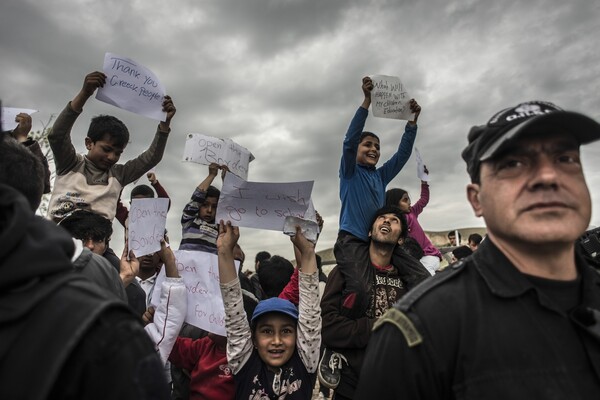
[{"x": 520, "y": 318}]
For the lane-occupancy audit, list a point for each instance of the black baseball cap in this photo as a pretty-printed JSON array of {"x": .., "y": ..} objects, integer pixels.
[{"x": 486, "y": 141}]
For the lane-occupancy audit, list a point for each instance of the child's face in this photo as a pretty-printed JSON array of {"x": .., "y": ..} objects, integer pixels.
[
  {"x": 150, "y": 262},
  {"x": 275, "y": 339},
  {"x": 404, "y": 203},
  {"x": 368, "y": 151},
  {"x": 208, "y": 209},
  {"x": 96, "y": 246},
  {"x": 103, "y": 153}
]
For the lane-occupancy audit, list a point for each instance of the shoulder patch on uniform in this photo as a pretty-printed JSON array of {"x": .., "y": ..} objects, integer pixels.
[
  {"x": 403, "y": 323},
  {"x": 448, "y": 273}
]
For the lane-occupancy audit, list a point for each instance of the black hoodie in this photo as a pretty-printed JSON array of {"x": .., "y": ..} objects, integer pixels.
[{"x": 60, "y": 335}]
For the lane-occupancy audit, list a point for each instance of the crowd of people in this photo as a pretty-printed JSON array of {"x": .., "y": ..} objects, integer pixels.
[{"x": 515, "y": 315}]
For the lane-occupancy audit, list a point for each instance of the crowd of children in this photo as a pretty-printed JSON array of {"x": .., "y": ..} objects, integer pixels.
[{"x": 273, "y": 340}]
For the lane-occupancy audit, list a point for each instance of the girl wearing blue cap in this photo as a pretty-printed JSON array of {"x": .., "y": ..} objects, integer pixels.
[{"x": 277, "y": 355}]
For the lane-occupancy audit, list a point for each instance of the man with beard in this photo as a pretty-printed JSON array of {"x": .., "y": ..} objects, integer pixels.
[{"x": 346, "y": 336}]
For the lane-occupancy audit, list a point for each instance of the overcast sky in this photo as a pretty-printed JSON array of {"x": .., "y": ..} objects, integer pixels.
[{"x": 283, "y": 79}]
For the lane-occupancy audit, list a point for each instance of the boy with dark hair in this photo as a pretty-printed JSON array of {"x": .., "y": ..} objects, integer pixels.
[
  {"x": 474, "y": 240},
  {"x": 452, "y": 238},
  {"x": 362, "y": 192},
  {"x": 199, "y": 231},
  {"x": 275, "y": 356},
  {"x": 95, "y": 180},
  {"x": 95, "y": 231},
  {"x": 274, "y": 274}
]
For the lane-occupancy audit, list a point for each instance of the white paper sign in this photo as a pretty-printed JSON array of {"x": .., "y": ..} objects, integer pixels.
[
  {"x": 421, "y": 174},
  {"x": 10, "y": 113},
  {"x": 200, "y": 273},
  {"x": 132, "y": 87},
  {"x": 262, "y": 205},
  {"x": 147, "y": 221},
  {"x": 309, "y": 229},
  {"x": 389, "y": 98},
  {"x": 203, "y": 149}
]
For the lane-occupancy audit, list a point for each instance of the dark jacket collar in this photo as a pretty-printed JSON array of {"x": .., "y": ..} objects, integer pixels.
[{"x": 505, "y": 280}]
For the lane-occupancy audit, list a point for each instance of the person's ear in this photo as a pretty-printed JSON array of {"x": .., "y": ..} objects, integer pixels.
[
  {"x": 473, "y": 195},
  {"x": 88, "y": 143}
]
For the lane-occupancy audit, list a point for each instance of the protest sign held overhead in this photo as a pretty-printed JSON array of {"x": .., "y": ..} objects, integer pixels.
[
  {"x": 147, "y": 221},
  {"x": 132, "y": 87},
  {"x": 200, "y": 274},
  {"x": 10, "y": 113},
  {"x": 389, "y": 98},
  {"x": 260, "y": 204},
  {"x": 203, "y": 149},
  {"x": 421, "y": 174}
]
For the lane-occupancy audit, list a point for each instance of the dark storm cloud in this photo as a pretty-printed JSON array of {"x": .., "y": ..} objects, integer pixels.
[{"x": 282, "y": 78}]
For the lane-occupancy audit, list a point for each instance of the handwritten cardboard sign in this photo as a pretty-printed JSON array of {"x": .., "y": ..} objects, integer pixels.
[
  {"x": 10, "y": 113},
  {"x": 200, "y": 273},
  {"x": 203, "y": 149},
  {"x": 147, "y": 220},
  {"x": 262, "y": 205},
  {"x": 389, "y": 98},
  {"x": 132, "y": 87}
]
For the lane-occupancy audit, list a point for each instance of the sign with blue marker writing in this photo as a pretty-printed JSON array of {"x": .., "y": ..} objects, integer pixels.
[
  {"x": 262, "y": 205},
  {"x": 147, "y": 221},
  {"x": 200, "y": 273},
  {"x": 389, "y": 98},
  {"x": 204, "y": 149},
  {"x": 132, "y": 87}
]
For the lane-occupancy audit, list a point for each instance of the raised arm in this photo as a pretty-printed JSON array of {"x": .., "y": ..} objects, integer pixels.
[
  {"x": 91, "y": 82},
  {"x": 418, "y": 207},
  {"x": 59, "y": 137},
  {"x": 239, "y": 343},
  {"x": 308, "y": 340},
  {"x": 191, "y": 209},
  {"x": 135, "y": 168},
  {"x": 20, "y": 133},
  {"x": 352, "y": 138},
  {"x": 171, "y": 312},
  {"x": 392, "y": 167}
]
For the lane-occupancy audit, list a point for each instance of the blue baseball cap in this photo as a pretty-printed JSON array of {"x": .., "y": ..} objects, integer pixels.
[{"x": 275, "y": 304}]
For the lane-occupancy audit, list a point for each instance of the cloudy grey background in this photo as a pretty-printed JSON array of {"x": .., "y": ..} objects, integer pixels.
[{"x": 283, "y": 77}]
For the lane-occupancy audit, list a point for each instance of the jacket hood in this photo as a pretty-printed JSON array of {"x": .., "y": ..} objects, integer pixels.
[{"x": 30, "y": 246}]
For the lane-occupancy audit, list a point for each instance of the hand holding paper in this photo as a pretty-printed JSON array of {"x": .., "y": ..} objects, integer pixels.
[
  {"x": 309, "y": 229},
  {"x": 422, "y": 171}
]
